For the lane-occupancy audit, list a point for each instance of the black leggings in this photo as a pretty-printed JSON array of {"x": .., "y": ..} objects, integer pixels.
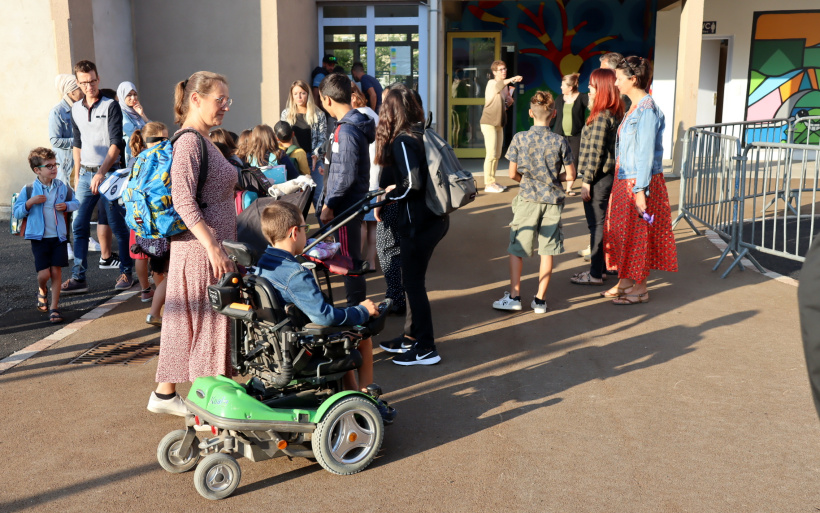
[
  {"x": 387, "y": 247},
  {"x": 416, "y": 251},
  {"x": 595, "y": 211}
]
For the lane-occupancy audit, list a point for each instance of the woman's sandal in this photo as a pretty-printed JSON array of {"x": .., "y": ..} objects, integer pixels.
[
  {"x": 54, "y": 316},
  {"x": 621, "y": 293},
  {"x": 41, "y": 302},
  {"x": 572, "y": 193},
  {"x": 624, "y": 300},
  {"x": 585, "y": 278}
]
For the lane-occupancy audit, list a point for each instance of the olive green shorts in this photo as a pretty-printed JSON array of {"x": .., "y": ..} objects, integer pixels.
[{"x": 529, "y": 219}]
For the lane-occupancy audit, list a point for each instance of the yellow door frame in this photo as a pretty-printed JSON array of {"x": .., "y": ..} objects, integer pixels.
[{"x": 468, "y": 153}]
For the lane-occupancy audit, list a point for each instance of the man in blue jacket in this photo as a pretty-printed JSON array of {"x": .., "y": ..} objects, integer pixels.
[{"x": 348, "y": 176}]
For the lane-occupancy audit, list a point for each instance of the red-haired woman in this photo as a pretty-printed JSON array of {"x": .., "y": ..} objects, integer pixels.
[
  {"x": 638, "y": 236},
  {"x": 596, "y": 166}
]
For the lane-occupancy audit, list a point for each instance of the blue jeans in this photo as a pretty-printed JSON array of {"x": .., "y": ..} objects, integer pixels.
[{"x": 82, "y": 227}]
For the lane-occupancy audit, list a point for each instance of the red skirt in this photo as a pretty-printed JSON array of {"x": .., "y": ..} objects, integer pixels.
[{"x": 632, "y": 246}]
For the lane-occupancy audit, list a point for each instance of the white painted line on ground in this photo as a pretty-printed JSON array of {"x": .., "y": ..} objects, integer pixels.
[
  {"x": 102, "y": 309},
  {"x": 721, "y": 244}
]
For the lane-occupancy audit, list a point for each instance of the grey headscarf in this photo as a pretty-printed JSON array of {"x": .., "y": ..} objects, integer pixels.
[{"x": 65, "y": 84}]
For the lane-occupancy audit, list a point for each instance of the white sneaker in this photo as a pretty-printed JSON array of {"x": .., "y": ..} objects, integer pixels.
[
  {"x": 494, "y": 187},
  {"x": 585, "y": 252},
  {"x": 507, "y": 303},
  {"x": 539, "y": 307},
  {"x": 70, "y": 254},
  {"x": 173, "y": 406},
  {"x": 93, "y": 245}
]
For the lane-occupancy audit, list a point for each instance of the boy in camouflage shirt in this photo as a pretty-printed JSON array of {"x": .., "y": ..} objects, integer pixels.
[{"x": 536, "y": 159}]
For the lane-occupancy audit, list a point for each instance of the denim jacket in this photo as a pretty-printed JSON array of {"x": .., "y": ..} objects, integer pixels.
[
  {"x": 295, "y": 284},
  {"x": 35, "y": 225},
  {"x": 639, "y": 147},
  {"x": 61, "y": 137}
]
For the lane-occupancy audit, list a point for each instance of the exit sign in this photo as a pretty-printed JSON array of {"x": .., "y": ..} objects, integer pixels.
[{"x": 709, "y": 27}]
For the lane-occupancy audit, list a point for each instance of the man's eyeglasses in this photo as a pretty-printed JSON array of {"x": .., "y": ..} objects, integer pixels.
[
  {"x": 51, "y": 167},
  {"x": 89, "y": 83},
  {"x": 222, "y": 101}
]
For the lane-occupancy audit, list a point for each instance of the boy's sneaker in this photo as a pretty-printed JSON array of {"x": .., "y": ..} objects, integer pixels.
[
  {"x": 539, "y": 306},
  {"x": 124, "y": 282},
  {"x": 494, "y": 187},
  {"x": 400, "y": 344},
  {"x": 72, "y": 286},
  {"x": 146, "y": 295},
  {"x": 173, "y": 406},
  {"x": 416, "y": 356},
  {"x": 387, "y": 412},
  {"x": 93, "y": 245},
  {"x": 112, "y": 262},
  {"x": 508, "y": 303}
]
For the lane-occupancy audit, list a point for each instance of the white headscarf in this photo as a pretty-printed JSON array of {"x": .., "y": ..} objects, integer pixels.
[
  {"x": 65, "y": 84},
  {"x": 122, "y": 92}
]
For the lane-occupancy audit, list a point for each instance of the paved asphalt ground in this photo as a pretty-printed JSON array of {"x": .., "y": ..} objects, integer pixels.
[
  {"x": 20, "y": 322},
  {"x": 697, "y": 401}
]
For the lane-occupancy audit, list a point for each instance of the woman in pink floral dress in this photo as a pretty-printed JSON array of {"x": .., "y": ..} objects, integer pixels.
[{"x": 195, "y": 339}]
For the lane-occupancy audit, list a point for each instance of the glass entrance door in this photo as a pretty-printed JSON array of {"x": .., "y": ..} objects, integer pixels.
[{"x": 469, "y": 57}]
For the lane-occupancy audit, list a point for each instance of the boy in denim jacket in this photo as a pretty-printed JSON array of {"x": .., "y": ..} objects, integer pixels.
[
  {"x": 285, "y": 229},
  {"x": 43, "y": 204},
  {"x": 536, "y": 158}
]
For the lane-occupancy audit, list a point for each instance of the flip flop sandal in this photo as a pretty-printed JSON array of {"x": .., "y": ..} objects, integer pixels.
[
  {"x": 572, "y": 193},
  {"x": 54, "y": 316},
  {"x": 624, "y": 300},
  {"x": 41, "y": 302},
  {"x": 585, "y": 278},
  {"x": 621, "y": 293}
]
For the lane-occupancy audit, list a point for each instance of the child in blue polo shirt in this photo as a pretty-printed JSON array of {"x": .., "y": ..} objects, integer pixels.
[{"x": 43, "y": 204}]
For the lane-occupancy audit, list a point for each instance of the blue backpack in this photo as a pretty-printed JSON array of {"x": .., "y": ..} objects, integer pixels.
[{"x": 149, "y": 208}]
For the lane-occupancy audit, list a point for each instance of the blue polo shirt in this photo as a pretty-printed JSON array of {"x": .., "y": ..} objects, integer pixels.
[{"x": 367, "y": 82}]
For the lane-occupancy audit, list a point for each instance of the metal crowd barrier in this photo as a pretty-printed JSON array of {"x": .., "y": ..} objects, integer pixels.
[{"x": 753, "y": 186}]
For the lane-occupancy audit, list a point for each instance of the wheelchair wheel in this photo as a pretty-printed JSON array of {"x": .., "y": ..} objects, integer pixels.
[
  {"x": 347, "y": 440},
  {"x": 217, "y": 476},
  {"x": 168, "y": 453}
]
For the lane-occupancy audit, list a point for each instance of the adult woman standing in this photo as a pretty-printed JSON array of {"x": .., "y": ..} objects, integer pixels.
[
  {"x": 133, "y": 115},
  {"x": 195, "y": 339},
  {"x": 400, "y": 152},
  {"x": 571, "y": 108},
  {"x": 309, "y": 126},
  {"x": 497, "y": 100},
  {"x": 596, "y": 165},
  {"x": 59, "y": 125},
  {"x": 638, "y": 235}
]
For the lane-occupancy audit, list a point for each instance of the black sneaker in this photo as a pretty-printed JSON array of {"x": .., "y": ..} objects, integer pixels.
[
  {"x": 416, "y": 356},
  {"x": 387, "y": 412},
  {"x": 399, "y": 344},
  {"x": 112, "y": 262}
]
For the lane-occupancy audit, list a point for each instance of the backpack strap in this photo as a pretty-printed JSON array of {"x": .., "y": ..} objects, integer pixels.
[
  {"x": 29, "y": 188},
  {"x": 203, "y": 164}
]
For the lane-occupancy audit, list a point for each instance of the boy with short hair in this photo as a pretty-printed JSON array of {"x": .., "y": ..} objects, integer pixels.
[
  {"x": 536, "y": 158},
  {"x": 42, "y": 204},
  {"x": 284, "y": 132},
  {"x": 347, "y": 179},
  {"x": 285, "y": 229}
]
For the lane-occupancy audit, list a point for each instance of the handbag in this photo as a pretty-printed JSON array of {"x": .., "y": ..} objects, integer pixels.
[{"x": 115, "y": 183}]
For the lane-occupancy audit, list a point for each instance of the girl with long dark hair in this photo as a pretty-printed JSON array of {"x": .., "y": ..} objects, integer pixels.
[{"x": 400, "y": 152}]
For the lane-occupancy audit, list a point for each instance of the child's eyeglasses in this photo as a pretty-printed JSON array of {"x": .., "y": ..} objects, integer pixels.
[
  {"x": 305, "y": 226},
  {"x": 52, "y": 167}
]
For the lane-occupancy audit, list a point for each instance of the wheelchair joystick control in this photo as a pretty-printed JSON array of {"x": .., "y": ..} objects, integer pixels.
[{"x": 374, "y": 390}]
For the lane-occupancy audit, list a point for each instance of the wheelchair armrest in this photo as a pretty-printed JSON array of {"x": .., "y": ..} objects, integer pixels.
[
  {"x": 241, "y": 253},
  {"x": 319, "y": 330}
]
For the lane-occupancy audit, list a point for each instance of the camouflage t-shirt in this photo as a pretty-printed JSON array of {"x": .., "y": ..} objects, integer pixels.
[{"x": 540, "y": 154}]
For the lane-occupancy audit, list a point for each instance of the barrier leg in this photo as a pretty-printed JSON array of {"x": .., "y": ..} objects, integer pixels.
[{"x": 686, "y": 218}]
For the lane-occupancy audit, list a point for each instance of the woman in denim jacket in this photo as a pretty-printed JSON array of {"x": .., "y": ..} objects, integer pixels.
[
  {"x": 59, "y": 125},
  {"x": 638, "y": 235}
]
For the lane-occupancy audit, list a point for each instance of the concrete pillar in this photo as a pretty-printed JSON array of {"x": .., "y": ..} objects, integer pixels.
[
  {"x": 81, "y": 31},
  {"x": 688, "y": 74},
  {"x": 61, "y": 19}
]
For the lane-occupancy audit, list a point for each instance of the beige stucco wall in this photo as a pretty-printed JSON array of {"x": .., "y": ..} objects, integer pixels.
[
  {"x": 176, "y": 39},
  {"x": 28, "y": 64}
]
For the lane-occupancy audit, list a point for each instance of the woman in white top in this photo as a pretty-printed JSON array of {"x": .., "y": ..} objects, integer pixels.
[
  {"x": 497, "y": 99},
  {"x": 309, "y": 126},
  {"x": 359, "y": 102}
]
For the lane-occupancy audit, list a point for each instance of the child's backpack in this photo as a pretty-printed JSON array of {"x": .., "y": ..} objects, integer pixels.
[
  {"x": 449, "y": 185},
  {"x": 149, "y": 209},
  {"x": 17, "y": 225}
]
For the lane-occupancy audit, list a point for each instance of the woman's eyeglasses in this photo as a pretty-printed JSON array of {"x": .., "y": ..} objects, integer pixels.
[{"x": 222, "y": 101}]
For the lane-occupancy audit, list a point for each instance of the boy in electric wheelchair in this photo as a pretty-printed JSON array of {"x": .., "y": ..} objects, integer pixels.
[{"x": 285, "y": 229}]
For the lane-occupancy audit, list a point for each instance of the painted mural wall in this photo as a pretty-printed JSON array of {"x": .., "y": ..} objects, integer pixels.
[
  {"x": 784, "y": 68},
  {"x": 559, "y": 37}
]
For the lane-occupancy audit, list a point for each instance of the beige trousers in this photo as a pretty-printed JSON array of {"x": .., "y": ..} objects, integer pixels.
[{"x": 493, "y": 140}]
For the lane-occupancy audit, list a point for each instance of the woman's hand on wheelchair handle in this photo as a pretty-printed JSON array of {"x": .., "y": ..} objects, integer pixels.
[{"x": 220, "y": 262}]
